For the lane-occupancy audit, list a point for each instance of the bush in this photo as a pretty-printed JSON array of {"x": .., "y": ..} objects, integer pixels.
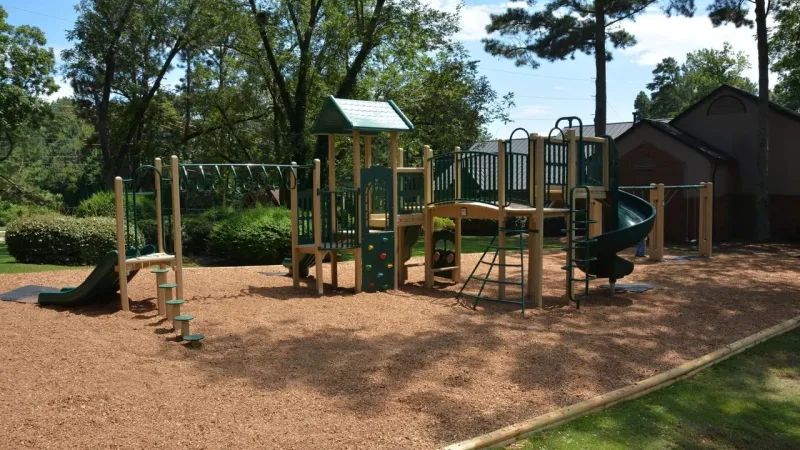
[
  {"x": 101, "y": 204},
  {"x": 443, "y": 223},
  {"x": 10, "y": 212},
  {"x": 197, "y": 229},
  {"x": 254, "y": 236},
  {"x": 60, "y": 239}
]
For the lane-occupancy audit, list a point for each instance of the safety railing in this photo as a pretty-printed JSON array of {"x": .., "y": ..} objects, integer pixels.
[
  {"x": 340, "y": 225},
  {"x": 518, "y": 184},
  {"x": 411, "y": 193},
  {"x": 305, "y": 217},
  {"x": 479, "y": 180},
  {"x": 591, "y": 171}
]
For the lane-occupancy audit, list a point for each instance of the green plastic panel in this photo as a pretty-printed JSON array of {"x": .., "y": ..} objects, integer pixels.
[{"x": 377, "y": 249}]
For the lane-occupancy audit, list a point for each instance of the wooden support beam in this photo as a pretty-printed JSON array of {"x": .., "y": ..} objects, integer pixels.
[
  {"x": 332, "y": 187},
  {"x": 501, "y": 219},
  {"x": 294, "y": 212},
  {"x": 456, "y": 273},
  {"x": 705, "y": 220},
  {"x": 536, "y": 257},
  {"x": 176, "y": 223},
  {"x": 606, "y": 160},
  {"x": 158, "y": 202},
  {"x": 317, "y": 218},
  {"x": 119, "y": 207},
  {"x": 357, "y": 185},
  {"x": 596, "y": 214},
  {"x": 394, "y": 155},
  {"x": 428, "y": 217},
  {"x": 656, "y": 239}
]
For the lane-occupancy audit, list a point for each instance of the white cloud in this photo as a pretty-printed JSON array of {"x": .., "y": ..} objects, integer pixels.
[
  {"x": 660, "y": 36},
  {"x": 535, "y": 111},
  {"x": 474, "y": 18},
  {"x": 64, "y": 90}
]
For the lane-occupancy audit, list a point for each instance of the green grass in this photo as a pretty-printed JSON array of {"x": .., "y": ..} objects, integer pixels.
[
  {"x": 749, "y": 401},
  {"x": 9, "y": 265},
  {"x": 478, "y": 244}
]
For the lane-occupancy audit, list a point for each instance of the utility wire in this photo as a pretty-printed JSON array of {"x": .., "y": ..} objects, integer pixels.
[
  {"x": 38, "y": 13},
  {"x": 538, "y": 76}
]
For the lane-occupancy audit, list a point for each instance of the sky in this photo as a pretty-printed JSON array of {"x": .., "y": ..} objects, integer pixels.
[{"x": 542, "y": 95}]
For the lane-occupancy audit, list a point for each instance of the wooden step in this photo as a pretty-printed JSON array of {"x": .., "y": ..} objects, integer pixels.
[{"x": 184, "y": 321}]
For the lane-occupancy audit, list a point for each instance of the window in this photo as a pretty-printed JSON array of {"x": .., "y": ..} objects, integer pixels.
[
  {"x": 645, "y": 163},
  {"x": 727, "y": 104}
]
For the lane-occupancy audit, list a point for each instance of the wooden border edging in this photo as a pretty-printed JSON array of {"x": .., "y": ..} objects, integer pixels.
[{"x": 512, "y": 433}]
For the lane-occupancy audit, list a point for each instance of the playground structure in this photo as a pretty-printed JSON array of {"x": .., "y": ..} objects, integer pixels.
[
  {"x": 699, "y": 202},
  {"x": 562, "y": 175}
]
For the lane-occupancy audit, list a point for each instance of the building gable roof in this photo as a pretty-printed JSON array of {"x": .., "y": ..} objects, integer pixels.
[
  {"x": 685, "y": 138},
  {"x": 343, "y": 116},
  {"x": 780, "y": 109}
]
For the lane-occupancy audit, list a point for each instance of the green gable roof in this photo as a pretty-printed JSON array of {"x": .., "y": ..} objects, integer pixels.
[{"x": 343, "y": 116}]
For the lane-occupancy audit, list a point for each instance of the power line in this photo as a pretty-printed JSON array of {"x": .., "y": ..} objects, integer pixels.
[
  {"x": 554, "y": 98},
  {"x": 539, "y": 76},
  {"x": 38, "y": 13}
]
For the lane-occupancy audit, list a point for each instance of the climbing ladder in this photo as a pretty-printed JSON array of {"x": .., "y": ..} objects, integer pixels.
[
  {"x": 578, "y": 244},
  {"x": 493, "y": 245}
]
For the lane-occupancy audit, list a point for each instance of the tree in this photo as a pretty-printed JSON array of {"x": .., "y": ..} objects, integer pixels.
[
  {"x": 736, "y": 12},
  {"x": 642, "y": 106},
  {"x": 25, "y": 76},
  {"x": 122, "y": 51},
  {"x": 314, "y": 46},
  {"x": 675, "y": 87},
  {"x": 784, "y": 47},
  {"x": 563, "y": 28}
]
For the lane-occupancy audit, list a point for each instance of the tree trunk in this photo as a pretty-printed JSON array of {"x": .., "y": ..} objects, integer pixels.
[
  {"x": 600, "y": 68},
  {"x": 762, "y": 225}
]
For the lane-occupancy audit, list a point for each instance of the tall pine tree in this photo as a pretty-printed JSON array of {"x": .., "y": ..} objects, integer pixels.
[{"x": 565, "y": 27}]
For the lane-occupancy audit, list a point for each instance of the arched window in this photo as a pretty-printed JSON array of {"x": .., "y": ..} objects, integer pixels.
[
  {"x": 727, "y": 104},
  {"x": 645, "y": 163}
]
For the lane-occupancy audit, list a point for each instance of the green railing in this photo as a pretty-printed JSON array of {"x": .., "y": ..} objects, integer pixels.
[
  {"x": 591, "y": 174},
  {"x": 344, "y": 220},
  {"x": 305, "y": 217},
  {"x": 411, "y": 195},
  {"x": 518, "y": 184},
  {"x": 556, "y": 166}
]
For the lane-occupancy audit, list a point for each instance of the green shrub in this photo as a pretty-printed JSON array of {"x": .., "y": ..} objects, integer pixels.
[
  {"x": 101, "y": 204},
  {"x": 57, "y": 239},
  {"x": 443, "y": 223},
  {"x": 197, "y": 228},
  {"x": 10, "y": 212},
  {"x": 254, "y": 236}
]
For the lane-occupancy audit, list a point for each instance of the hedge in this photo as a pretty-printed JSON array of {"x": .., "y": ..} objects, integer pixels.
[
  {"x": 61, "y": 240},
  {"x": 101, "y": 204},
  {"x": 197, "y": 229},
  {"x": 255, "y": 236},
  {"x": 10, "y": 212}
]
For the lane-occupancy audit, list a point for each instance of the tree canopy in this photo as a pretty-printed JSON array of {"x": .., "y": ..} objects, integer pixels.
[
  {"x": 675, "y": 86},
  {"x": 785, "y": 54}
]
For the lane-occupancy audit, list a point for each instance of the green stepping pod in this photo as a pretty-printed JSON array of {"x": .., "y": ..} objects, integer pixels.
[
  {"x": 175, "y": 302},
  {"x": 184, "y": 318},
  {"x": 197, "y": 337},
  {"x": 167, "y": 286}
]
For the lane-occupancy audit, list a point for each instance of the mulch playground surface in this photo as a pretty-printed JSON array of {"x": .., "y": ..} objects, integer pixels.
[{"x": 414, "y": 368}]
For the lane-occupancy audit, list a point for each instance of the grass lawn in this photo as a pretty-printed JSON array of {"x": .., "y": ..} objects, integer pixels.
[
  {"x": 9, "y": 265},
  {"x": 478, "y": 244},
  {"x": 751, "y": 401}
]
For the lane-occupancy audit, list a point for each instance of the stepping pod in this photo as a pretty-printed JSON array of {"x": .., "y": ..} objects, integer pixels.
[
  {"x": 165, "y": 291},
  {"x": 174, "y": 309}
]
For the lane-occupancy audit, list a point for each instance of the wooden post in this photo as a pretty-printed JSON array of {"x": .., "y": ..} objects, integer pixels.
[
  {"x": 427, "y": 216},
  {"x": 400, "y": 159},
  {"x": 122, "y": 266},
  {"x": 357, "y": 185},
  {"x": 332, "y": 187},
  {"x": 367, "y": 152},
  {"x": 536, "y": 257},
  {"x": 294, "y": 212},
  {"x": 657, "y": 235},
  {"x": 501, "y": 219},
  {"x": 456, "y": 273},
  {"x": 317, "y": 218},
  {"x": 176, "y": 223},
  {"x": 606, "y": 160},
  {"x": 394, "y": 155},
  {"x": 705, "y": 220},
  {"x": 159, "y": 214},
  {"x": 596, "y": 214},
  {"x": 572, "y": 163}
]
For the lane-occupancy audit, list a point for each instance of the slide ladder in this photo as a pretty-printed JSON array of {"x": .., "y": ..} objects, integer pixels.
[
  {"x": 496, "y": 248},
  {"x": 578, "y": 245}
]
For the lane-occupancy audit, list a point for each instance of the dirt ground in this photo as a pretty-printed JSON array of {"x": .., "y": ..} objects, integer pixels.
[{"x": 414, "y": 368}]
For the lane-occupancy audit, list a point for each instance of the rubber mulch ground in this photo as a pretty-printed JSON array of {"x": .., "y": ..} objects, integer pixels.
[{"x": 415, "y": 368}]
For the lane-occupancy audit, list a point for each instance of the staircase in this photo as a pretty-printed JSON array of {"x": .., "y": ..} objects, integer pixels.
[{"x": 495, "y": 248}]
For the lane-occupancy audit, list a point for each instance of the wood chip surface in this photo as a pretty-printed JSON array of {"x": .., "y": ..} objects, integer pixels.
[{"x": 413, "y": 368}]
